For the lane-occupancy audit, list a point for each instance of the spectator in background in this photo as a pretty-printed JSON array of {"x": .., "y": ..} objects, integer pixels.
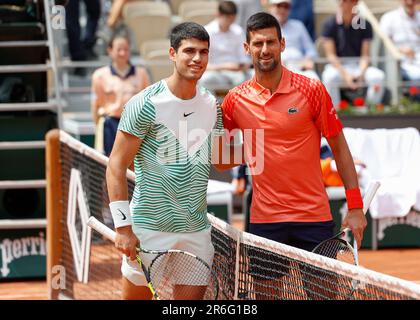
[
  {"x": 115, "y": 13},
  {"x": 303, "y": 10},
  {"x": 403, "y": 27},
  {"x": 344, "y": 35},
  {"x": 329, "y": 169},
  {"x": 247, "y": 8},
  {"x": 228, "y": 63},
  {"x": 82, "y": 49},
  {"x": 112, "y": 87},
  {"x": 300, "y": 50}
]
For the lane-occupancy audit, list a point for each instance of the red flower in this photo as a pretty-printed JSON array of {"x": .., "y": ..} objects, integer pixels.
[
  {"x": 343, "y": 105},
  {"x": 359, "y": 102},
  {"x": 413, "y": 90}
]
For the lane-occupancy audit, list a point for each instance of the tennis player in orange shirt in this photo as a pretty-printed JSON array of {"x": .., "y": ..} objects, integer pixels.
[{"x": 289, "y": 202}]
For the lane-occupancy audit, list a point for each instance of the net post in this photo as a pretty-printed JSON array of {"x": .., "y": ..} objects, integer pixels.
[{"x": 54, "y": 205}]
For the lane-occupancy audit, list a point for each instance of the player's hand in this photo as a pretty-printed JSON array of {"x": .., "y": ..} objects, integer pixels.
[
  {"x": 359, "y": 79},
  {"x": 350, "y": 81},
  {"x": 307, "y": 64},
  {"x": 239, "y": 185},
  {"x": 356, "y": 221},
  {"x": 409, "y": 52},
  {"x": 126, "y": 242}
]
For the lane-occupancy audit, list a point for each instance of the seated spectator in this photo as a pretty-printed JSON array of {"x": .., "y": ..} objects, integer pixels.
[
  {"x": 300, "y": 49},
  {"x": 115, "y": 13},
  {"x": 330, "y": 175},
  {"x": 344, "y": 36},
  {"x": 228, "y": 62},
  {"x": 112, "y": 87},
  {"x": 303, "y": 10},
  {"x": 246, "y": 8},
  {"x": 403, "y": 27}
]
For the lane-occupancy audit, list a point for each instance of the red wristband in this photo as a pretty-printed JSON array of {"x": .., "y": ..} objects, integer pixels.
[{"x": 354, "y": 199}]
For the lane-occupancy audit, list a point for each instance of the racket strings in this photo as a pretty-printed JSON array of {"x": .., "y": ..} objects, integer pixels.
[
  {"x": 340, "y": 250},
  {"x": 336, "y": 249},
  {"x": 179, "y": 276}
]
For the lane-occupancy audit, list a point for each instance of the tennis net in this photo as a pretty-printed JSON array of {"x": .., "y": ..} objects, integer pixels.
[{"x": 83, "y": 265}]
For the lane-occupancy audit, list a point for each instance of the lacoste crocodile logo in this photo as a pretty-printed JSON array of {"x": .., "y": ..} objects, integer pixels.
[{"x": 293, "y": 110}]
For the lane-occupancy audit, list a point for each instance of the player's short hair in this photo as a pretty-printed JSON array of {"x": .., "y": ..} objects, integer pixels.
[
  {"x": 261, "y": 20},
  {"x": 227, "y": 8},
  {"x": 188, "y": 30}
]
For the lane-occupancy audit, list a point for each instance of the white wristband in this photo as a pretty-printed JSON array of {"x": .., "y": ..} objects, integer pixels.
[{"x": 120, "y": 211}]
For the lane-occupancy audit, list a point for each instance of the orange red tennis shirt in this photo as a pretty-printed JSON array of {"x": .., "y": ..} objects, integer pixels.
[{"x": 289, "y": 187}]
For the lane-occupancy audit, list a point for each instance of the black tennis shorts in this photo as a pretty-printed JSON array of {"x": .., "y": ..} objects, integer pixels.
[{"x": 303, "y": 235}]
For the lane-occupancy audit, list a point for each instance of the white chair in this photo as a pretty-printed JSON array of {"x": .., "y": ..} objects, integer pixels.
[
  {"x": 210, "y": 7},
  {"x": 202, "y": 17},
  {"x": 147, "y": 20},
  {"x": 175, "y": 4},
  {"x": 146, "y": 8},
  {"x": 159, "y": 66},
  {"x": 152, "y": 46}
]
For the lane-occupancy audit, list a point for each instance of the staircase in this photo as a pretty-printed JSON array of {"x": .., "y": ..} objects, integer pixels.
[{"x": 27, "y": 52}]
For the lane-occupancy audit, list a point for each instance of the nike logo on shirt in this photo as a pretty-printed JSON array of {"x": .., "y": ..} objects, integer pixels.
[{"x": 188, "y": 114}]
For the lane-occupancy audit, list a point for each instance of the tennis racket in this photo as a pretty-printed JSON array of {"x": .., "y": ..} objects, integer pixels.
[
  {"x": 171, "y": 274},
  {"x": 338, "y": 248}
]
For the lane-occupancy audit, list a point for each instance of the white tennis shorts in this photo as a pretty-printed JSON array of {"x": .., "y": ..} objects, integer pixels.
[{"x": 198, "y": 243}]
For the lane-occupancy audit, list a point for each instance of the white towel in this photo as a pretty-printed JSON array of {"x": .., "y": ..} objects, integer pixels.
[
  {"x": 215, "y": 186},
  {"x": 392, "y": 156}
]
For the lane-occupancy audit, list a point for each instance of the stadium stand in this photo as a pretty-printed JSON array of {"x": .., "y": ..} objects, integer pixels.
[
  {"x": 65, "y": 102},
  {"x": 175, "y": 4},
  {"x": 186, "y": 7},
  {"x": 165, "y": 14},
  {"x": 147, "y": 20},
  {"x": 154, "y": 47}
]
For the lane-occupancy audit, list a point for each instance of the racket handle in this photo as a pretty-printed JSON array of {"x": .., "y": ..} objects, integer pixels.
[
  {"x": 370, "y": 193},
  {"x": 101, "y": 228},
  {"x": 367, "y": 200},
  {"x": 355, "y": 252}
]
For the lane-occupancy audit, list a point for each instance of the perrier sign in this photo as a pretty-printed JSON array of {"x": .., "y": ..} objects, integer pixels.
[{"x": 22, "y": 253}]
